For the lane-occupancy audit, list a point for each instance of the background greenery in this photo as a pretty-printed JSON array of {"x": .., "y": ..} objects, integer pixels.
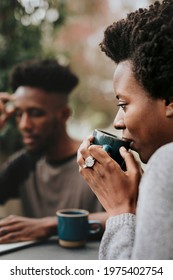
[
  {"x": 23, "y": 26},
  {"x": 71, "y": 32}
]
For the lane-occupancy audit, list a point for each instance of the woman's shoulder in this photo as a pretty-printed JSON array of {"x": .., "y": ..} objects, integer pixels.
[
  {"x": 161, "y": 161},
  {"x": 158, "y": 172},
  {"x": 164, "y": 152}
]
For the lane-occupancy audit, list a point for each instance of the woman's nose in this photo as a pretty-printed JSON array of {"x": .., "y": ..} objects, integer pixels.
[{"x": 119, "y": 120}]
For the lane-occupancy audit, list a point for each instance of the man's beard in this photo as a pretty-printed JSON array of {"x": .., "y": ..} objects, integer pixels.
[{"x": 41, "y": 149}]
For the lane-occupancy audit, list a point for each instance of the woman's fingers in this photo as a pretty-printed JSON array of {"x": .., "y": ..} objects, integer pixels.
[
  {"x": 133, "y": 166},
  {"x": 83, "y": 152},
  {"x": 100, "y": 155},
  {"x": 131, "y": 163}
]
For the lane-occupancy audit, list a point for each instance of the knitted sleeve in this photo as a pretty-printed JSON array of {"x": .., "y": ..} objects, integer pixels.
[{"x": 151, "y": 236}]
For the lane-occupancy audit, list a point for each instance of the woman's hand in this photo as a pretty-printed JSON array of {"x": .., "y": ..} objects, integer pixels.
[
  {"x": 16, "y": 228},
  {"x": 117, "y": 190}
]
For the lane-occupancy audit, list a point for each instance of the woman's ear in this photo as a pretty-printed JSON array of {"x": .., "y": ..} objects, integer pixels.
[{"x": 169, "y": 109}]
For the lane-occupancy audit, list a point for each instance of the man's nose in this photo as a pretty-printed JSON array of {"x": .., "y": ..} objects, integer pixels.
[
  {"x": 24, "y": 122},
  {"x": 119, "y": 120}
]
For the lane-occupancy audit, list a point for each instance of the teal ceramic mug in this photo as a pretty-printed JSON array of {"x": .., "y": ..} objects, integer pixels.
[
  {"x": 74, "y": 228},
  {"x": 111, "y": 144}
]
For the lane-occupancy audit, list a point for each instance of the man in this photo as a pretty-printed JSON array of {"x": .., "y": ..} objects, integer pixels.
[
  {"x": 44, "y": 174},
  {"x": 139, "y": 226}
]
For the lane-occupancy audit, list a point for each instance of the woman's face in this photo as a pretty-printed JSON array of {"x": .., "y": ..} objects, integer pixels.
[{"x": 142, "y": 119}]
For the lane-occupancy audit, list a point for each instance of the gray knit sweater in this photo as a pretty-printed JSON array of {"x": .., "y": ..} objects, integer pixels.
[{"x": 149, "y": 234}]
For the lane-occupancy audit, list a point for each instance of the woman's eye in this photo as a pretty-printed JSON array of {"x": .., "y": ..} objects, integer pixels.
[{"x": 122, "y": 105}]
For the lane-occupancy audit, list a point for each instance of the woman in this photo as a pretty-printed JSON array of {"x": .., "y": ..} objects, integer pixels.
[{"x": 140, "y": 207}]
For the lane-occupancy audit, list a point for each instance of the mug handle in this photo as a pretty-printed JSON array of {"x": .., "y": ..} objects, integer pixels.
[{"x": 99, "y": 228}]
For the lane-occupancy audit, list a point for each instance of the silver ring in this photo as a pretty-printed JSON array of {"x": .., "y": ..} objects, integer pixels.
[{"x": 89, "y": 162}]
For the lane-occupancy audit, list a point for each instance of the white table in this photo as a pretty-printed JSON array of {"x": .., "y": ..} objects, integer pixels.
[{"x": 50, "y": 250}]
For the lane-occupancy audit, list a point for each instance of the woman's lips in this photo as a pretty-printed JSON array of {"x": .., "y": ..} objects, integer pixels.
[
  {"x": 130, "y": 141},
  {"x": 126, "y": 139}
]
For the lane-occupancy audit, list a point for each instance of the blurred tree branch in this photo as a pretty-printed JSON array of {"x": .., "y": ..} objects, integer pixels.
[{"x": 22, "y": 29}]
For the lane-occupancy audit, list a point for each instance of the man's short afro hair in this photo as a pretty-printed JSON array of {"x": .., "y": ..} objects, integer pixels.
[{"x": 46, "y": 74}]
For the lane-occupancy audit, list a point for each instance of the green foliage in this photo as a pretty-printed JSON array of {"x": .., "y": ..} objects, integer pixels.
[
  {"x": 20, "y": 41},
  {"x": 17, "y": 42}
]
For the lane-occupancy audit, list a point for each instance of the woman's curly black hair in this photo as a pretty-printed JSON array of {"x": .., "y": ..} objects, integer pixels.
[
  {"x": 46, "y": 74},
  {"x": 146, "y": 38}
]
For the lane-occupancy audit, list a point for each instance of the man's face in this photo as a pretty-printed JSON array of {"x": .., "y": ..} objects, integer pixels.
[
  {"x": 36, "y": 116},
  {"x": 141, "y": 118}
]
